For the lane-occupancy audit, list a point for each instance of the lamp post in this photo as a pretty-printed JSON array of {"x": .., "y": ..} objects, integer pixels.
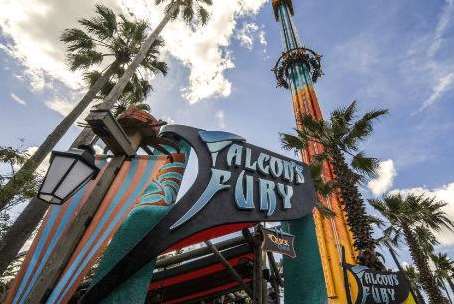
[{"x": 67, "y": 173}]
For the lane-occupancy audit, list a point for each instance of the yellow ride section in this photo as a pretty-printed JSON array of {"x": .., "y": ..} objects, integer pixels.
[{"x": 332, "y": 233}]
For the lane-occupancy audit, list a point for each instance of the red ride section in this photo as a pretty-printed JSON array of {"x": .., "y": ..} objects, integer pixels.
[
  {"x": 209, "y": 234},
  {"x": 203, "y": 277}
]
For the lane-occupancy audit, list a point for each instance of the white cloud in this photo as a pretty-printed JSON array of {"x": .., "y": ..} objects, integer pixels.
[
  {"x": 60, "y": 106},
  {"x": 36, "y": 25},
  {"x": 385, "y": 178},
  {"x": 33, "y": 28},
  {"x": 423, "y": 68},
  {"x": 18, "y": 99},
  {"x": 443, "y": 85},
  {"x": 249, "y": 33},
  {"x": 441, "y": 27},
  {"x": 245, "y": 34},
  {"x": 262, "y": 38},
  {"x": 360, "y": 54},
  {"x": 221, "y": 119},
  {"x": 444, "y": 193}
]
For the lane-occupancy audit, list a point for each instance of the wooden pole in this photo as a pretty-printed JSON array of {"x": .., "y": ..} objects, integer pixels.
[
  {"x": 66, "y": 246},
  {"x": 257, "y": 274},
  {"x": 276, "y": 279},
  {"x": 275, "y": 269},
  {"x": 229, "y": 267},
  {"x": 257, "y": 278}
]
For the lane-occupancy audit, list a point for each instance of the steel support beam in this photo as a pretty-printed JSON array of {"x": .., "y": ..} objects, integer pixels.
[{"x": 229, "y": 267}]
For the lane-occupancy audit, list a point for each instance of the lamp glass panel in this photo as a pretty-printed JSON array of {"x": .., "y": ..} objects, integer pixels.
[
  {"x": 78, "y": 174},
  {"x": 58, "y": 168},
  {"x": 46, "y": 197}
]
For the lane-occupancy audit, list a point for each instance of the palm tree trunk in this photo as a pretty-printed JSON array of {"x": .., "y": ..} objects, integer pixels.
[
  {"x": 353, "y": 205},
  {"x": 28, "y": 220},
  {"x": 445, "y": 289},
  {"x": 117, "y": 90},
  {"x": 20, "y": 231},
  {"x": 427, "y": 278},
  {"x": 419, "y": 297},
  {"x": 22, "y": 228},
  {"x": 451, "y": 284},
  {"x": 18, "y": 180}
]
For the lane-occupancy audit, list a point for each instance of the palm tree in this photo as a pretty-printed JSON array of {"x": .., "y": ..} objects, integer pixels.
[
  {"x": 134, "y": 94},
  {"x": 415, "y": 214},
  {"x": 413, "y": 277},
  {"x": 104, "y": 39},
  {"x": 444, "y": 270},
  {"x": 187, "y": 9},
  {"x": 106, "y": 36},
  {"x": 340, "y": 136}
]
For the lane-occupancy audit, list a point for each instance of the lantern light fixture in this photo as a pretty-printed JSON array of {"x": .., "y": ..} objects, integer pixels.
[{"x": 68, "y": 172}]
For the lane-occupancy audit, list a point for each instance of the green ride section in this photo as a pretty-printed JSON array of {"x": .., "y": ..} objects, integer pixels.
[{"x": 303, "y": 275}]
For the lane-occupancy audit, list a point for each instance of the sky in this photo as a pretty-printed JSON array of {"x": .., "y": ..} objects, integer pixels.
[{"x": 384, "y": 54}]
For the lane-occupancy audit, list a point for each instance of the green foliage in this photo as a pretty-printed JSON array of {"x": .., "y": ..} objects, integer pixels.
[
  {"x": 364, "y": 166},
  {"x": 331, "y": 143},
  {"x": 188, "y": 9},
  {"x": 108, "y": 38},
  {"x": 25, "y": 187},
  {"x": 324, "y": 188},
  {"x": 342, "y": 132},
  {"x": 416, "y": 217},
  {"x": 11, "y": 159},
  {"x": 421, "y": 212},
  {"x": 444, "y": 265}
]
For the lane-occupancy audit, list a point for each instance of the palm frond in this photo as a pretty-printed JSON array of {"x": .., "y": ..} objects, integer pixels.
[
  {"x": 203, "y": 15},
  {"x": 104, "y": 25},
  {"x": 76, "y": 40},
  {"x": 84, "y": 59},
  {"x": 292, "y": 142},
  {"x": 109, "y": 19},
  {"x": 426, "y": 239},
  {"x": 324, "y": 211},
  {"x": 312, "y": 125},
  {"x": 155, "y": 66},
  {"x": 362, "y": 128},
  {"x": 91, "y": 77},
  {"x": 365, "y": 166},
  {"x": 188, "y": 12},
  {"x": 324, "y": 188}
]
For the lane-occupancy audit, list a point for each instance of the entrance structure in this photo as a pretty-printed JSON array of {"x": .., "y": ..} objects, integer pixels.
[
  {"x": 297, "y": 70},
  {"x": 238, "y": 185}
]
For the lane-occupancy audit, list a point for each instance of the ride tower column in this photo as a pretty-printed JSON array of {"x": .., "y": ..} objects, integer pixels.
[{"x": 315, "y": 275}]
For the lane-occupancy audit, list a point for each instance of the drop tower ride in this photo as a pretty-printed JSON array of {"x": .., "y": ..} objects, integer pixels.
[{"x": 315, "y": 276}]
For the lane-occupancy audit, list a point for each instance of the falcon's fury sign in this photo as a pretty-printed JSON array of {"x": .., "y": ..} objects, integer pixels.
[
  {"x": 243, "y": 179},
  {"x": 236, "y": 183}
]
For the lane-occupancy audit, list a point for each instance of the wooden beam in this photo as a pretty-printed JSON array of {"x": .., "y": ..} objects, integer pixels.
[
  {"x": 112, "y": 134},
  {"x": 258, "y": 277},
  {"x": 258, "y": 282},
  {"x": 66, "y": 246},
  {"x": 229, "y": 267},
  {"x": 275, "y": 268}
]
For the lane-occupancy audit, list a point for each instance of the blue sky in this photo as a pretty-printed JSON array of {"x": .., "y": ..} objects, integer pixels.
[{"x": 384, "y": 54}]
